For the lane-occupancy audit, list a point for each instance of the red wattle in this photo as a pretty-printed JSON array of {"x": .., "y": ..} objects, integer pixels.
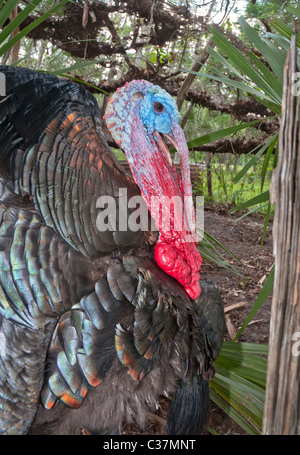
[
  {"x": 193, "y": 290},
  {"x": 175, "y": 265}
]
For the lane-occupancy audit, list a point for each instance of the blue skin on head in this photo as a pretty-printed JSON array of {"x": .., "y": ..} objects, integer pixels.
[
  {"x": 161, "y": 122},
  {"x": 137, "y": 99}
]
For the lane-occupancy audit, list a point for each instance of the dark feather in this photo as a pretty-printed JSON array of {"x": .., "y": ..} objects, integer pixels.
[{"x": 189, "y": 407}]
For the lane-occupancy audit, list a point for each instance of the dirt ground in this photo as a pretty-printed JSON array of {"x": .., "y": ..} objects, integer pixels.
[
  {"x": 243, "y": 238},
  {"x": 238, "y": 293}
]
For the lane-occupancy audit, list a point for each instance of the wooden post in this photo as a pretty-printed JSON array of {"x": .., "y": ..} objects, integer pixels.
[{"x": 282, "y": 406}]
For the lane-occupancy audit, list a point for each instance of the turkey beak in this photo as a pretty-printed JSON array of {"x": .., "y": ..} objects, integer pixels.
[
  {"x": 163, "y": 146},
  {"x": 179, "y": 142}
]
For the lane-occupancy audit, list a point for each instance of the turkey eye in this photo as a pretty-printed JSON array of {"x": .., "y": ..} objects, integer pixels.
[{"x": 159, "y": 107}]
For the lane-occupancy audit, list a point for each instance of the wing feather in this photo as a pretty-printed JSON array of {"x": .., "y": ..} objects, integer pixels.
[{"x": 53, "y": 146}]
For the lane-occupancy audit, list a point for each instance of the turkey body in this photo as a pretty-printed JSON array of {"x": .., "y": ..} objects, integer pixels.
[{"x": 92, "y": 330}]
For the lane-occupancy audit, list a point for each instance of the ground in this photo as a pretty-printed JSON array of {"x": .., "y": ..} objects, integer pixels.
[
  {"x": 243, "y": 238},
  {"x": 239, "y": 292}
]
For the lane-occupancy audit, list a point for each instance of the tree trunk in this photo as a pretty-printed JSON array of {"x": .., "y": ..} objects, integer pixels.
[
  {"x": 196, "y": 66},
  {"x": 235, "y": 165},
  {"x": 282, "y": 407}
]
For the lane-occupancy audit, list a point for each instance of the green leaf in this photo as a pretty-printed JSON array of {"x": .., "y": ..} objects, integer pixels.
[
  {"x": 294, "y": 11},
  {"x": 31, "y": 26},
  {"x": 224, "y": 62},
  {"x": 211, "y": 137},
  {"x": 207, "y": 255},
  {"x": 255, "y": 209},
  {"x": 231, "y": 412},
  {"x": 242, "y": 395},
  {"x": 280, "y": 56},
  {"x": 274, "y": 57},
  {"x": 239, "y": 384},
  {"x": 285, "y": 43},
  {"x": 84, "y": 83},
  {"x": 6, "y": 9},
  {"x": 75, "y": 67},
  {"x": 244, "y": 66},
  {"x": 212, "y": 239},
  {"x": 274, "y": 83},
  {"x": 284, "y": 30},
  {"x": 266, "y": 223},
  {"x": 245, "y": 348},
  {"x": 259, "y": 199},
  {"x": 263, "y": 295},
  {"x": 247, "y": 88},
  {"x": 14, "y": 24},
  {"x": 250, "y": 163},
  {"x": 267, "y": 159},
  {"x": 250, "y": 367},
  {"x": 209, "y": 252}
]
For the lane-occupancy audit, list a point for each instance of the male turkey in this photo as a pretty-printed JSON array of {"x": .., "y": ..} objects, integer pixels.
[{"x": 96, "y": 324}]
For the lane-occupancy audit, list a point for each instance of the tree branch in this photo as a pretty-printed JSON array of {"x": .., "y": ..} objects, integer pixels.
[{"x": 199, "y": 62}]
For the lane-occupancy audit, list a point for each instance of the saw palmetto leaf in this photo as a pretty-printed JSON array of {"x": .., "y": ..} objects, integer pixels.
[
  {"x": 253, "y": 79},
  {"x": 227, "y": 407},
  {"x": 269, "y": 153},
  {"x": 216, "y": 135},
  {"x": 14, "y": 24},
  {"x": 259, "y": 199},
  {"x": 275, "y": 57},
  {"x": 6, "y": 9},
  {"x": 270, "y": 144},
  {"x": 239, "y": 384},
  {"x": 77, "y": 66},
  {"x": 262, "y": 296},
  {"x": 284, "y": 30},
  {"x": 245, "y": 88},
  {"x": 212, "y": 250}
]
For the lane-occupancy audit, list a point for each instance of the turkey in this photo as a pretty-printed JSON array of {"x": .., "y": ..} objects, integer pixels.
[{"x": 98, "y": 318}]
